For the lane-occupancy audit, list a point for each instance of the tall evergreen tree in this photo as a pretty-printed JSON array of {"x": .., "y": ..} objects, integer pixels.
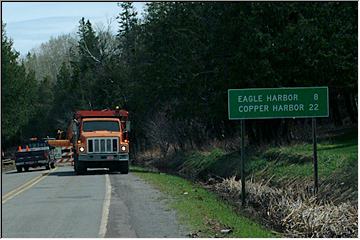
[
  {"x": 18, "y": 93},
  {"x": 86, "y": 65}
]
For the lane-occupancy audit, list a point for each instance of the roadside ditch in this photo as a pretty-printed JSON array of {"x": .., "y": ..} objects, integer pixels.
[{"x": 279, "y": 187}]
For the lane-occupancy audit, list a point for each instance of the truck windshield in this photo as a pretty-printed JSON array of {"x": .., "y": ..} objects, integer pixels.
[{"x": 89, "y": 126}]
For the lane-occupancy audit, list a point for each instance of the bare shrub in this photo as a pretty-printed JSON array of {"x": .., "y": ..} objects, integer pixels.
[
  {"x": 296, "y": 212},
  {"x": 160, "y": 133},
  {"x": 149, "y": 154}
]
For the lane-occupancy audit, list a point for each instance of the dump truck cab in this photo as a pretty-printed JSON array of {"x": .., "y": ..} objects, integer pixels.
[{"x": 100, "y": 140}]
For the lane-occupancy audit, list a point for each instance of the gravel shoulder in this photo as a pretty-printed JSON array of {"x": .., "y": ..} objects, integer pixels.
[{"x": 139, "y": 210}]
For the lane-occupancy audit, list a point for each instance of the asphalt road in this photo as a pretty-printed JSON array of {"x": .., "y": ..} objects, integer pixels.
[
  {"x": 58, "y": 203},
  {"x": 12, "y": 179}
]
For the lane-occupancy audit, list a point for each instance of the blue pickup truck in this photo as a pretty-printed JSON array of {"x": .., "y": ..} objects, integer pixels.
[{"x": 35, "y": 153}]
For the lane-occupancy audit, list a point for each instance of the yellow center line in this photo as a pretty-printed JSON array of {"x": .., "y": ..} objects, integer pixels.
[{"x": 25, "y": 186}]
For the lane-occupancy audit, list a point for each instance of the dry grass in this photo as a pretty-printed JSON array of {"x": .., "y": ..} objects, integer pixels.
[
  {"x": 6, "y": 168},
  {"x": 294, "y": 210},
  {"x": 149, "y": 154}
]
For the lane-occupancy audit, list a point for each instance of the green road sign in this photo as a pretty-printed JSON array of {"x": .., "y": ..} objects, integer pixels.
[{"x": 262, "y": 103}]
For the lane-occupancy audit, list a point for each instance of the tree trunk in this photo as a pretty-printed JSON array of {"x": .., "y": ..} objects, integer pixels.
[
  {"x": 350, "y": 107},
  {"x": 334, "y": 109},
  {"x": 252, "y": 138}
]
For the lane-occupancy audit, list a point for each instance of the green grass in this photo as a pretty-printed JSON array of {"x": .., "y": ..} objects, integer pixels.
[
  {"x": 331, "y": 157},
  {"x": 337, "y": 158},
  {"x": 202, "y": 211},
  {"x": 337, "y": 161}
]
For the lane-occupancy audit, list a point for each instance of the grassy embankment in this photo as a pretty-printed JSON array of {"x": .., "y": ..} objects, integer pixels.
[
  {"x": 202, "y": 211},
  {"x": 337, "y": 161}
]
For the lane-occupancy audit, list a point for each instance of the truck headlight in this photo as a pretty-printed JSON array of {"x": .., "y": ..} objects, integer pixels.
[
  {"x": 123, "y": 148},
  {"x": 82, "y": 149}
]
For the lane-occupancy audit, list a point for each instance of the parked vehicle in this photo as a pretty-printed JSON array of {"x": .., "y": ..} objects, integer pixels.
[
  {"x": 100, "y": 140},
  {"x": 35, "y": 153}
]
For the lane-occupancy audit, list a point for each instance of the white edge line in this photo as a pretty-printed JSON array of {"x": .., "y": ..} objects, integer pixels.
[{"x": 106, "y": 208}]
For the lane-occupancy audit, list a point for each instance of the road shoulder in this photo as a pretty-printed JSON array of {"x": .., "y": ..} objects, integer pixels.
[
  {"x": 139, "y": 210},
  {"x": 204, "y": 212}
]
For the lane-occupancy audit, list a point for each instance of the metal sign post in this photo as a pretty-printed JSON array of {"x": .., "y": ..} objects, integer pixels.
[
  {"x": 316, "y": 177},
  {"x": 242, "y": 122}
]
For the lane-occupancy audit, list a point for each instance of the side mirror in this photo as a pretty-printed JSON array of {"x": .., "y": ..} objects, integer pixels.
[{"x": 127, "y": 126}]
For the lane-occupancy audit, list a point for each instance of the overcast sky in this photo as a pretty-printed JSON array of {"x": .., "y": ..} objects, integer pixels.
[{"x": 29, "y": 24}]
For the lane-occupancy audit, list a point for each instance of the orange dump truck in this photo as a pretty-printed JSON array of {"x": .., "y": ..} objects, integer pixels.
[{"x": 100, "y": 140}]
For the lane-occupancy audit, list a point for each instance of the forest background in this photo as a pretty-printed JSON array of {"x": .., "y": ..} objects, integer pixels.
[{"x": 171, "y": 70}]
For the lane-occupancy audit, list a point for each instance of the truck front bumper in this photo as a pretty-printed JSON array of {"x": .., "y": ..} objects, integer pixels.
[{"x": 104, "y": 157}]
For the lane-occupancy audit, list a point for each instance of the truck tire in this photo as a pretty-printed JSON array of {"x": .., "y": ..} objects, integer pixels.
[
  {"x": 113, "y": 169},
  {"x": 26, "y": 168},
  {"x": 18, "y": 169},
  {"x": 75, "y": 162},
  {"x": 52, "y": 165},
  {"x": 83, "y": 168},
  {"x": 47, "y": 166},
  {"x": 79, "y": 168},
  {"x": 124, "y": 168}
]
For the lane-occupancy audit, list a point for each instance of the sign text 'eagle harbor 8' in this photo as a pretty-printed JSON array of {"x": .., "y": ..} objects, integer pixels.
[{"x": 261, "y": 103}]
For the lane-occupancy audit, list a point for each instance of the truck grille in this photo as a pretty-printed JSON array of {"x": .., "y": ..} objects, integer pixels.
[{"x": 102, "y": 145}]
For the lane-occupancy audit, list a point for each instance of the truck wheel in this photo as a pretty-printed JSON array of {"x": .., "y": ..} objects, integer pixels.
[
  {"x": 75, "y": 163},
  {"x": 26, "y": 168},
  {"x": 76, "y": 168},
  {"x": 79, "y": 168},
  {"x": 114, "y": 169},
  {"x": 47, "y": 166},
  {"x": 52, "y": 165},
  {"x": 18, "y": 169},
  {"x": 83, "y": 169},
  {"x": 124, "y": 168}
]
